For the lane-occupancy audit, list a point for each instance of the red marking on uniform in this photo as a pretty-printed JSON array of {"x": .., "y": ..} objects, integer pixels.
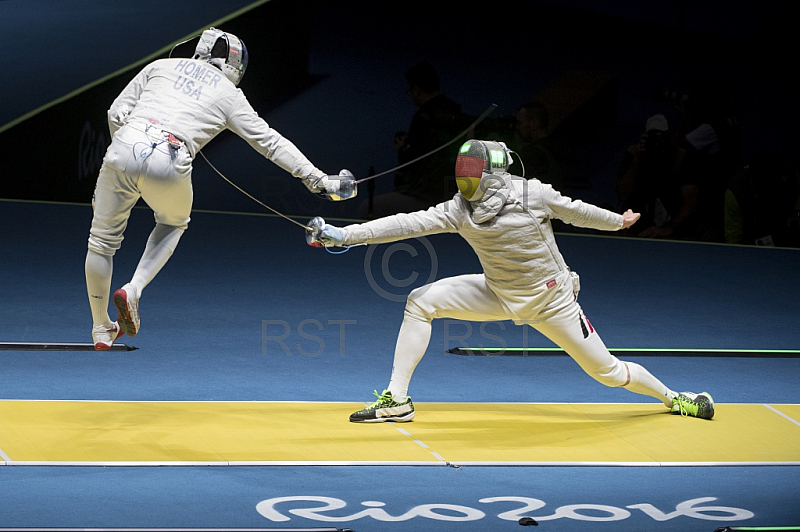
[
  {"x": 551, "y": 284},
  {"x": 591, "y": 329}
]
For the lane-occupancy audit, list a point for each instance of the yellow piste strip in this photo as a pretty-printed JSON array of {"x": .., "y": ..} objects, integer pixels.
[
  {"x": 594, "y": 433},
  {"x": 104, "y": 432}
]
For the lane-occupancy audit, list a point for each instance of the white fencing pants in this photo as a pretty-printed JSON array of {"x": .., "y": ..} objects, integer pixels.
[
  {"x": 139, "y": 163},
  {"x": 555, "y": 313}
]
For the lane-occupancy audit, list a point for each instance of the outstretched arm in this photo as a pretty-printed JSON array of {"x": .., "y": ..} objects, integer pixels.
[
  {"x": 579, "y": 213},
  {"x": 271, "y": 144},
  {"x": 401, "y": 226}
]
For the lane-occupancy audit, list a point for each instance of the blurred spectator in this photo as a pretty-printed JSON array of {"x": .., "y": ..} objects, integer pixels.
[
  {"x": 657, "y": 179},
  {"x": 436, "y": 122},
  {"x": 532, "y": 144},
  {"x": 708, "y": 128},
  {"x": 762, "y": 203}
]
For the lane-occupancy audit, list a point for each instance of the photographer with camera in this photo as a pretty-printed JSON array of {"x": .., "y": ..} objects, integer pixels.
[{"x": 657, "y": 178}]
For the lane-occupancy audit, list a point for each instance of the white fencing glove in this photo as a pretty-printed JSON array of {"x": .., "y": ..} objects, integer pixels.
[{"x": 331, "y": 236}]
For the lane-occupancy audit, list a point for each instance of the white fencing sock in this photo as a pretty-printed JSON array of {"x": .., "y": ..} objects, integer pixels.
[
  {"x": 98, "y": 269},
  {"x": 412, "y": 342},
  {"x": 643, "y": 382},
  {"x": 160, "y": 245}
]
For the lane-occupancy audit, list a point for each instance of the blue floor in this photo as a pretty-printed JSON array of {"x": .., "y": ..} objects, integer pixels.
[
  {"x": 289, "y": 309},
  {"x": 245, "y": 310},
  {"x": 400, "y": 498}
]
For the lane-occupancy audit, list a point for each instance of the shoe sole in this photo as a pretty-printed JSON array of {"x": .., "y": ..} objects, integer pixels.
[
  {"x": 125, "y": 321},
  {"x": 399, "y": 419},
  {"x": 99, "y": 346},
  {"x": 709, "y": 414}
]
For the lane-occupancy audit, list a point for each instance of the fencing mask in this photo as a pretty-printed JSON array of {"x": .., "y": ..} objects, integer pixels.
[
  {"x": 476, "y": 157},
  {"x": 225, "y": 51}
]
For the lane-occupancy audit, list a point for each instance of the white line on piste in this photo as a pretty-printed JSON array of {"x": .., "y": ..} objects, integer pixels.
[
  {"x": 422, "y": 444},
  {"x": 338, "y": 463},
  {"x": 4, "y": 456},
  {"x": 783, "y": 415}
]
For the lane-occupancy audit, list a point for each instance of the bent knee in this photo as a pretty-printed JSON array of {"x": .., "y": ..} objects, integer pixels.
[
  {"x": 417, "y": 306},
  {"x": 103, "y": 244},
  {"x": 177, "y": 221},
  {"x": 614, "y": 375}
]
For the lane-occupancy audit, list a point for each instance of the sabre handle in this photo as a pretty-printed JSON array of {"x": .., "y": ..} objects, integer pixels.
[{"x": 313, "y": 231}]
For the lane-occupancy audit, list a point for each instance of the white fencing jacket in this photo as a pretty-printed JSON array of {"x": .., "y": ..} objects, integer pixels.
[
  {"x": 508, "y": 228},
  {"x": 194, "y": 101}
]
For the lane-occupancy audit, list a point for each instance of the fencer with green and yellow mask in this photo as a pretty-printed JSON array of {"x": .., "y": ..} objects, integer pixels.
[{"x": 478, "y": 157}]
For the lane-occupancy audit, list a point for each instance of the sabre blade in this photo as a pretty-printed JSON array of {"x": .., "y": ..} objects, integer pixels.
[
  {"x": 308, "y": 229},
  {"x": 237, "y": 187}
]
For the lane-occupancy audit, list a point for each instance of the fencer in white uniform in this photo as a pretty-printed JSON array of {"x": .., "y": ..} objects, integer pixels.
[
  {"x": 506, "y": 221},
  {"x": 158, "y": 124}
]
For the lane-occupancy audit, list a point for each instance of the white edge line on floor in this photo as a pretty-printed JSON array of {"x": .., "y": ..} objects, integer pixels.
[{"x": 437, "y": 463}]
